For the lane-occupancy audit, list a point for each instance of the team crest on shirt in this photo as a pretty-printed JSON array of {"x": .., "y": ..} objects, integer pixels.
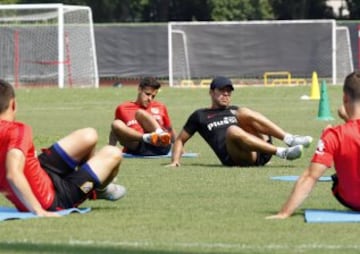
[
  {"x": 320, "y": 147},
  {"x": 87, "y": 187},
  {"x": 155, "y": 110}
]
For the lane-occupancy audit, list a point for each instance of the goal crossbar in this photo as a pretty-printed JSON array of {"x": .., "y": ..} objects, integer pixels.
[
  {"x": 247, "y": 49},
  {"x": 59, "y": 29}
]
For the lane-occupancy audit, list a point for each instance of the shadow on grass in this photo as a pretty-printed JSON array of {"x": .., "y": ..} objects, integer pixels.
[
  {"x": 200, "y": 165},
  {"x": 197, "y": 164},
  {"x": 296, "y": 214},
  {"x": 76, "y": 249}
]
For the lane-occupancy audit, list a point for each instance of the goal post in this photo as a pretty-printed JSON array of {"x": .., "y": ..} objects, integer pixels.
[
  {"x": 48, "y": 45},
  {"x": 344, "y": 57},
  {"x": 245, "y": 50}
]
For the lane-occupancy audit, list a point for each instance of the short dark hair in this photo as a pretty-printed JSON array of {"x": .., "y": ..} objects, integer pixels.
[
  {"x": 352, "y": 85},
  {"x": 149, "y": 81},
  {"x": 6, "y": 94}
]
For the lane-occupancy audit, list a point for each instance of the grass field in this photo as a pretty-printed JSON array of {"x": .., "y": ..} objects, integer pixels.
[{"x": 201, "y": 207}]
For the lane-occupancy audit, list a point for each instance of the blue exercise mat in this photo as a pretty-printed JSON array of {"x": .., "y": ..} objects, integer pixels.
[
  {"x": 184, "y": 155},
  {"x": 331, "y": 216},
  {"x": 10, "y": 213},
  {"x": 294, "y": 178}
]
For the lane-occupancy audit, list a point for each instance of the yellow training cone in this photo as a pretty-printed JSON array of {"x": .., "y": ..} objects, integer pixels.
[{"x": 315, "y": 90}]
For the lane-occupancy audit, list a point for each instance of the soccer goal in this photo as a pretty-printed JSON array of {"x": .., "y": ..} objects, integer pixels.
[
  {"x": 344, "y": 57},
  {"x": 48, "y": 45},
  {"x": 246, "y": 50}
]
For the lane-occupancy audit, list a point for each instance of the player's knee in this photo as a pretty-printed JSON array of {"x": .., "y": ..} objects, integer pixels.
[
  {"x": 117, "y": 124},
  {"x": 140, "y": 114},
  {"x": 89, "y": 136},
  {"x": 112, "y": 152},
  {"x": 245, "y": 114},
  {"x": 234, "y": 131}
]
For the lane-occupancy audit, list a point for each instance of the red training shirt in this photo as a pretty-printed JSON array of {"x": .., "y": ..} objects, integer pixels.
[
  {"x": 126, "y": 113},
  {"x": 341, "y": 145},
  {"x": 18, "y": 135}
]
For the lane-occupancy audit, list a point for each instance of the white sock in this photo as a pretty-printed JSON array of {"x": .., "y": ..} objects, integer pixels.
[
  {"x": 280, "y": 152},
  {"x": 288, "y": 138},
  {"x": 159, "y": 131},
  {"x": 146, "y": 137}
]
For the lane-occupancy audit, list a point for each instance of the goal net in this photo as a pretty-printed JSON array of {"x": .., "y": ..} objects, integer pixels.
[
  {"x": 246, "y": 50},
  {"x": 344, "y": 57},
  {"x": 47, "y": 45}
]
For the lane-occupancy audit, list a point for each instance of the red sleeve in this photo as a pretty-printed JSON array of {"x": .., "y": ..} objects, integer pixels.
[
  {"x": 118, "y": 114},
  {"x": 326, "y": 148},
  {"x": 21, "y": 138}
]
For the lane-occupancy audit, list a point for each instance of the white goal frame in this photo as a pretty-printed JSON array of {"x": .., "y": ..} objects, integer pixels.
[
  {"x": 58, "y": 12},
  {"x": 174, "y": 28},
  {"x": 343, "y": 47}
]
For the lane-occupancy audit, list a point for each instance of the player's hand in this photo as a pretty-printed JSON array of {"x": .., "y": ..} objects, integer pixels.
[
  {"x": 277, "y": 216},
  {"x": 45, "y": 213},
  {"x": 173, "y": 164}
]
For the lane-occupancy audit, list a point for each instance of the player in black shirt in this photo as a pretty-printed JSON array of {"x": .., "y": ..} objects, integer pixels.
[{"x": 239, "y": 136}]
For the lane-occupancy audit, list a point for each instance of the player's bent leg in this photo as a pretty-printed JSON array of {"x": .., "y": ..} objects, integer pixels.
[
  {"x": 125, "y": 135},
  {"x": 105, "y": 163},
  {"x": 238, "y": 146},
  {"x": 247, "y": 141},
  {"x": 80, "y": 144},
  {"x": 256, "y": 123},
  {"x": 146, "y": 120}
]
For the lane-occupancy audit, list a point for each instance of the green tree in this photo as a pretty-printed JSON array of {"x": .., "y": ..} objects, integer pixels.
[
  {"x": 204, "y": 10},
  {"x": 240, "y": 10},
  {"x": 9, "y": 1},
  {"x": 301, "y": 9},
  {"x": 354, "y": 8},
  {"x": 174, "y": 10}
]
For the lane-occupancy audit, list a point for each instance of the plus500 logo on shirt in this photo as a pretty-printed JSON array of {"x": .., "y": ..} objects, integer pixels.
[{"x": 226, "y": 121}]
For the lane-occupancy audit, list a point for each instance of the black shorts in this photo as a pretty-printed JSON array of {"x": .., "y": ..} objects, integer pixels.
[
  {"x": 335, "y": 191},
  {"x": 73, "y": 183},
  {"x": 147, "y": 149},
  {"x": 261, "y": 159}
]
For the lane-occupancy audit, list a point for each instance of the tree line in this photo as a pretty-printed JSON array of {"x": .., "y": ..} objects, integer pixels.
[{"x": 106, "y": 11}]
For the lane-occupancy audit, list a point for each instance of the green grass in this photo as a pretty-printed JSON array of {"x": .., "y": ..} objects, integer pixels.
[{"x": 201, "y": 207}]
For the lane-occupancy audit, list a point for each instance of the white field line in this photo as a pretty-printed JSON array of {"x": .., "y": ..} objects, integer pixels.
[
  {"x": 218, "y": 245},
  {"x": 52, "y": 108},
  {"x": 229, "y": 246},
  {"x": 76, "y": 106}
]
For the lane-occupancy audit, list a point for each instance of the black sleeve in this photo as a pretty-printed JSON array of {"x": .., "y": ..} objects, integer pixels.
[{"x": 192, "y": 124}]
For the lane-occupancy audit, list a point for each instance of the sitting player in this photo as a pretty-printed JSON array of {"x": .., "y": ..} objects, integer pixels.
[
  {"x": 62, "y": 176},
  {"x": 143, "y": 126},
  {"x": 239, "y": 136},
  {"x": 338, "y": 147}
]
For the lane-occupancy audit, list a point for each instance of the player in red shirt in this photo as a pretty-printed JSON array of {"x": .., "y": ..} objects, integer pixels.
[
  {"x": 143, "y": 126},
  {"x": 62, "y": 176},
  {"x": 339, "y": 145}
]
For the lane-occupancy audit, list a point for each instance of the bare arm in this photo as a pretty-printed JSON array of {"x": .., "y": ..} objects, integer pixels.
[
  {"x": 301, "y": 190},
  {"x": 173, "y": 134},
  {"x": 178, "y": 148},
  {"x": 112, "y": 138},
  {"x": 15, "y": 161}
]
